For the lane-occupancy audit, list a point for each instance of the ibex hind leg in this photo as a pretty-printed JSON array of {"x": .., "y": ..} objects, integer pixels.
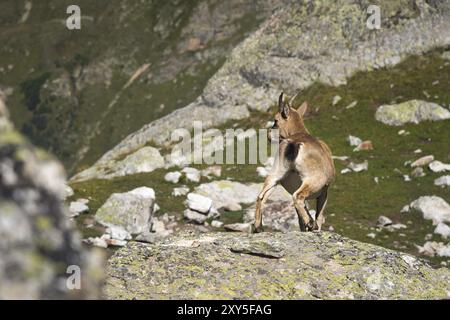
[{"x": 320, "y": 208}]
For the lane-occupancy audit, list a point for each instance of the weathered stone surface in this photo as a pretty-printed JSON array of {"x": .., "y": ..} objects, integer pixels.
[
  {"x": 423, "y": 161},
  {"x": 132, "y": 210},
  {"x": 76, "y": 208},
  {"x": 270, "y": 266},
  {"x": 432, "y": 208},
  {"x": 146, "y": 159},
  {"x": 442, "y": 181},
  {"x": 38, "y": 242},
  {"x": 230, "y": 195},
  {"x": 413, "y": 111},
  {"x": 438, "y": 166},
  {"x": 199, "y": 203},
  {"x": 173, "y": 177}
]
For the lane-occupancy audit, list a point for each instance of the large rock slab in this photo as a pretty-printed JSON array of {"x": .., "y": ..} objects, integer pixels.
[
  {"x": 270, "y": 266},
  {"x": 132, "y": 210},
  {"x": 413, "y": 111},
  {"x": 146, "y": 159}
]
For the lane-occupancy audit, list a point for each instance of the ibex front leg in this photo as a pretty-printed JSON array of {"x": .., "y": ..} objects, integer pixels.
[{"x": 267, "y": 189}]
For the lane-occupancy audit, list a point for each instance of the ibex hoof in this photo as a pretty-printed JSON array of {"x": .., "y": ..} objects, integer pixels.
[{"x": 257, "y": 229}]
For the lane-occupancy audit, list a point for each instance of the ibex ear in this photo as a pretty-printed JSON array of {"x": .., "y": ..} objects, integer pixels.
[
  {"x": 302, "y": 109},
  {"x": 283, "y": 107}
]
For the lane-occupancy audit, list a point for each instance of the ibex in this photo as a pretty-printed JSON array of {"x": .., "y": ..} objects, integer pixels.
[{"x": 303, "y": 166}]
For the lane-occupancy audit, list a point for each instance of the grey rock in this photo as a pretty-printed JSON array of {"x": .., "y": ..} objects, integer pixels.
[
  {"x": 277, "y": 215},
  {"x": 432, "y": 208},
  {"x": 40, "y": 247},
  {"x": 413, "y": 111},
  {"x": 199, "y": 203},
  {"x": 194, "y": 216},
  {"x": 443, "y": 230},
  {"x": 216, "y": 224},
  {"x": 76, "y": 208},
  {"x": 215, "y": 171},
  {"x": 383, "y": 221},
  {"x": 418, "y": 173},
  {"x": 358, "y": 167},
  {"x": 239, "y": 227},
  {"x": 442, "y": 181},
  {"x": 438, "y": 166},
  {"x": 192, "y": 174},
  {"x": 423, "y": 161},
  {"x": 303, "y": 265},
  {"x": 146, "y": 159},
  {"x": 173, "y": 177},
  {"x": 132, "y": 210},
  {"x": 433, "y": 248},
  {"x": 180, "y": 191}
]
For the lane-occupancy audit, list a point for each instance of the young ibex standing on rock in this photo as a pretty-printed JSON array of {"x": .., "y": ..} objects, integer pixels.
[{"x": 303, "y": 166}]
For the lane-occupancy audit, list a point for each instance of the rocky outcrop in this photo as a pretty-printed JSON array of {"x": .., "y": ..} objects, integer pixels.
[
  {"x": 414, "y": 111},
  {"x": 39, "y": 248},
  {"x": 270, "y": 266},
  {"x": 303, "y": 42}
]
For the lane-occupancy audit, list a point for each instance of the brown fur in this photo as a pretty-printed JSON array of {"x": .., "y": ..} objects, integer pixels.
[{"x": 304, "y": 167}]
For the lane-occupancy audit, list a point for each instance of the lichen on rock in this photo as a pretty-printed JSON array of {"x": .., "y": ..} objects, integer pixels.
[{"x": 270, "y": 266}]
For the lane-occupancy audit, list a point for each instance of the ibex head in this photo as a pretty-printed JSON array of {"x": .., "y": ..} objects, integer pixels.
[{"x": 288, "y": 120}]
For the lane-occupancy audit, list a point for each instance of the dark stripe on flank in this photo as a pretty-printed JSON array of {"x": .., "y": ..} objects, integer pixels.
[{"x": 291, "y": 151}]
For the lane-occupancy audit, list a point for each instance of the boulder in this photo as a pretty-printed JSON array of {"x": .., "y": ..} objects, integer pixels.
[
  {"x": 180, "y": 191},
  {"x": 438, "y": 166},
  {"x": 277, "y": 215},
  {"x": 173, "y": 177},
  {"x": 413, "y": 111},
  {"x": 195, "y": 216},
  {"x": 230, "y": 195},
  {"x": 192, "y": 174},
  {"x": 199, "y": 203},
  {"x": 442, "y": 181},
  {"x": 432, "y": 208},
  {"x": 291, "y": 265},
  {"x": 239, "y": 227},
  {"x": 383, "y": 221},
  {"x": 132, "y": 210},
  {"x": 41, "y": 252},
  {"x": 354, "y": 141},
  {"x": 76, "y": 208},
  {"x": 423, "y": 161},
  {"x": 443, "y": 230}
]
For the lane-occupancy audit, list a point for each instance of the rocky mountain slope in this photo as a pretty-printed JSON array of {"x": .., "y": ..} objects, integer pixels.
[
  {"x": 302, "y": 43},
  {"x": 78, "y": 93},
  {"x": 270, "y": 266}
]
